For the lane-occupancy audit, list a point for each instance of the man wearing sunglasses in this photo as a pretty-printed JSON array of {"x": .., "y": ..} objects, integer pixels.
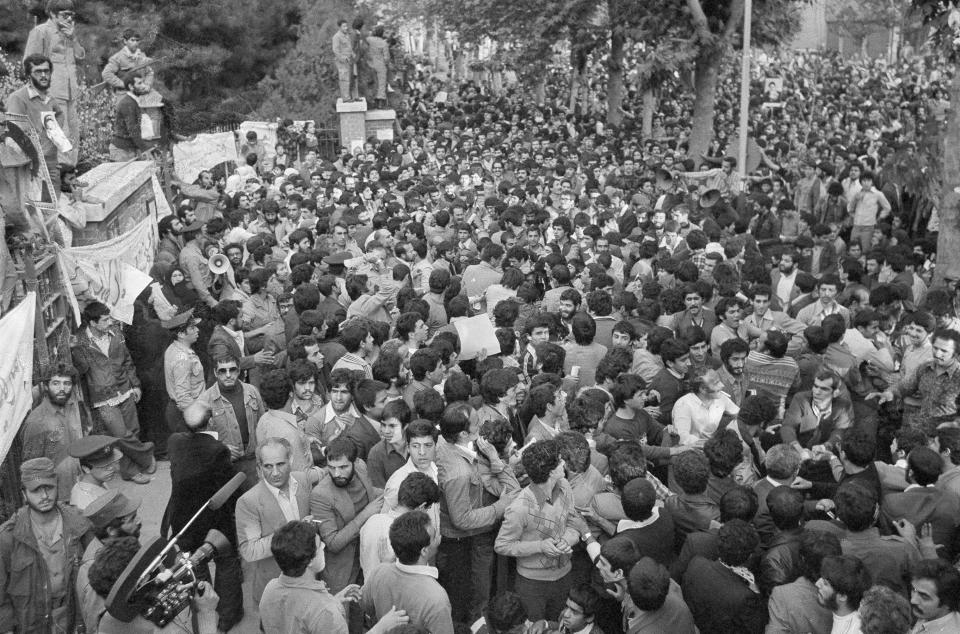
[
  {"x": 56, "y": 39},
  {"x": 235, "y": 408}
]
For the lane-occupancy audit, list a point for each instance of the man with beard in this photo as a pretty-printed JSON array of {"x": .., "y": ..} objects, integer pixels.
[
  {"x": 783, "y": 280},
  {"x": 128, "y": 140},
  {"x": 841, "y": 585},
  {"x": 113, "y": 515},
  {"x": 168, "y": 253},
  {"x": 35, "y": 101},
  {"x": 568, "y": 306},
  {"x": 53, "y": 425},
  {"x": 733, "y": 355},
  {"x": 56, "y": 39},
  {"x": 341, "y": 504},
  {"x": 40, "y": 548},
  {"x": 279, "y": 497}
]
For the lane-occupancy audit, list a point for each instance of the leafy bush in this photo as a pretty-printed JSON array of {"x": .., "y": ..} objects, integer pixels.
[{"x": 94, "y": 110}]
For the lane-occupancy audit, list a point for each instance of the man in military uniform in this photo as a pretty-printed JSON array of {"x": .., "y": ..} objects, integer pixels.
[
  {"x": 99, "y": 459},
  {"x": 182, "y": 369},
  {"x": 113, "y": 515},
  {"x": 128, "y": 58},
  {"x": 40, "y": 549}
]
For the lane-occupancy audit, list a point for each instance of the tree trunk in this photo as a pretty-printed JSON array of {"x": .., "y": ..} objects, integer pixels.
[
  {"x": 578, "y": 63},
  {"x": 705, "y": 88},
  {"x": 615, "y": 88},
  {"x": 574, "y": 88},
  {"x": 649, "y": 105},
  {"x": 948, "y": 243},
  {"x": 540, "y": 89}
]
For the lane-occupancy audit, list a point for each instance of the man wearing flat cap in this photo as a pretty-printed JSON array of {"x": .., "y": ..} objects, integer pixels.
[
  {"x": 113, "y": 515},
  {"x": 40, "y": 548}
]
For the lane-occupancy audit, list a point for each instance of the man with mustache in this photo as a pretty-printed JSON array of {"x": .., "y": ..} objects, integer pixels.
[
  {"x": 35, "y": 101},
  {"x": 56, "y": 39},
  {"x": 341, "y": 505},
  {"x": 54, "y": 424},
  {"x": 40, "y": 548}
]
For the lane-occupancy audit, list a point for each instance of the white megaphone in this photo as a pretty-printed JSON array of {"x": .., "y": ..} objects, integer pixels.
[{"x": 218, "y": 264}]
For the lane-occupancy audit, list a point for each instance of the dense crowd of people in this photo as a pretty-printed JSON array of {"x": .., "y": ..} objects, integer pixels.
[{"x": 716, "y": 404}]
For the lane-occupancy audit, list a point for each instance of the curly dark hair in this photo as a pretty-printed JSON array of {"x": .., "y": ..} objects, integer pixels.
[{"x": 110, "y": 562}]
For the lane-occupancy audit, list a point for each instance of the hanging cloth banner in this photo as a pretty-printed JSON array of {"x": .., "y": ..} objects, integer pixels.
[
  {"x": 16, "y": 369},
  {"x": 203, "y": 153},
  {"x": 112, "y": 272}
]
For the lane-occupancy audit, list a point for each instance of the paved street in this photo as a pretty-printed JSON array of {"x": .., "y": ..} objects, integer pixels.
[{"x": 154, "y": 497}]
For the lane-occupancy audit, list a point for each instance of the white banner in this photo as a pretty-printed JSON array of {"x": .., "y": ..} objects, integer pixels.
[
  {"x": 112, "y": 272},
  {"x": 266, "y": 134},
  {"x": 16, "y": 369},
  {"x": 203, "y": 153}
]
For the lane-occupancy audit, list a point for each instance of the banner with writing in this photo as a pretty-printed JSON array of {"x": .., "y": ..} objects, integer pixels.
[
  {"x": 203, "y": 153},
  {"x": 266, "y": 134},
  {"x": 113, "y": 272},
  {"x": 16, "y": 369}
]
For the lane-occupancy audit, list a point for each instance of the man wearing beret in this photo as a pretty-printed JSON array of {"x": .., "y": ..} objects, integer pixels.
[{"x": 40, "y": 548}]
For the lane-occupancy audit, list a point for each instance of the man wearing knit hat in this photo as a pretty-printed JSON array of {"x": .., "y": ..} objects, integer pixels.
[{"x": 40, "y": 550}]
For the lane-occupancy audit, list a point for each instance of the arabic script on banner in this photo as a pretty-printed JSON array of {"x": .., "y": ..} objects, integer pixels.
[
  {"x": 16, "y": 369},
  {"x": 204, "y": 152},
  {"x": 112, "y": 272}
]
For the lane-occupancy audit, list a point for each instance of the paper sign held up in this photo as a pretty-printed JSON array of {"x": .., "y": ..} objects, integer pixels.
[{"x": 476, "y": 334}]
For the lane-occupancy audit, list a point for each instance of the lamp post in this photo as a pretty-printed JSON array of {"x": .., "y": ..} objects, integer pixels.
[{"x": 744, "y": 90}]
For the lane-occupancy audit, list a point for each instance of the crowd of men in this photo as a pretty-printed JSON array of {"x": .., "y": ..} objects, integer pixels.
[{"x": 715, "y": 405}]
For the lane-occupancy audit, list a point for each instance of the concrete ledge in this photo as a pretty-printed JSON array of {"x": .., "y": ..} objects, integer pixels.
[
  {"x": 352, "y": 106},
  {"x": 381, "y": 115}
]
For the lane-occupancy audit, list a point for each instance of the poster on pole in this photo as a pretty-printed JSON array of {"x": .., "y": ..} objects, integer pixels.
[
  {"x": 203, "y": 152},
  {"x": 112, "y": 272},
  {"x": 16, "y": 369}
]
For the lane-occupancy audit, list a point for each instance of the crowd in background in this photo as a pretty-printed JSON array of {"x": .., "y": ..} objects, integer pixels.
[{"x": 717, "y": 405}]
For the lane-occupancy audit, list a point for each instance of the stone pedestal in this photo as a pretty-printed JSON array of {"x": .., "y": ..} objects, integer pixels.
[
  {"x": 353, "y": 126},
  {"x": 380, "y": 124},
  {"x": 357, "y": 124}
]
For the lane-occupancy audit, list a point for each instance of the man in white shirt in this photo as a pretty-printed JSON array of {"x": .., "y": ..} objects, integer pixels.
[
  {"x": 697, "y": 415},
  {"x": 861, "y": 341},
  {"x": 421, "y": 438},
  {"x": 279, "y": 497},
  {"x": 418, "y": 492},
  {"x": 842, "y": 582}
]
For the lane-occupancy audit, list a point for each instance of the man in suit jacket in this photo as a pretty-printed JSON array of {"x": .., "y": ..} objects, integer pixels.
[
  {"x": 341, "y": 504},
  {"x": 722, "y": 595},
  {"x": 199, "y": 465},
  {"x": 226, "y": 337},
  {"x": 922, "y": 502},
  {"x": 279, "y": 497}
]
